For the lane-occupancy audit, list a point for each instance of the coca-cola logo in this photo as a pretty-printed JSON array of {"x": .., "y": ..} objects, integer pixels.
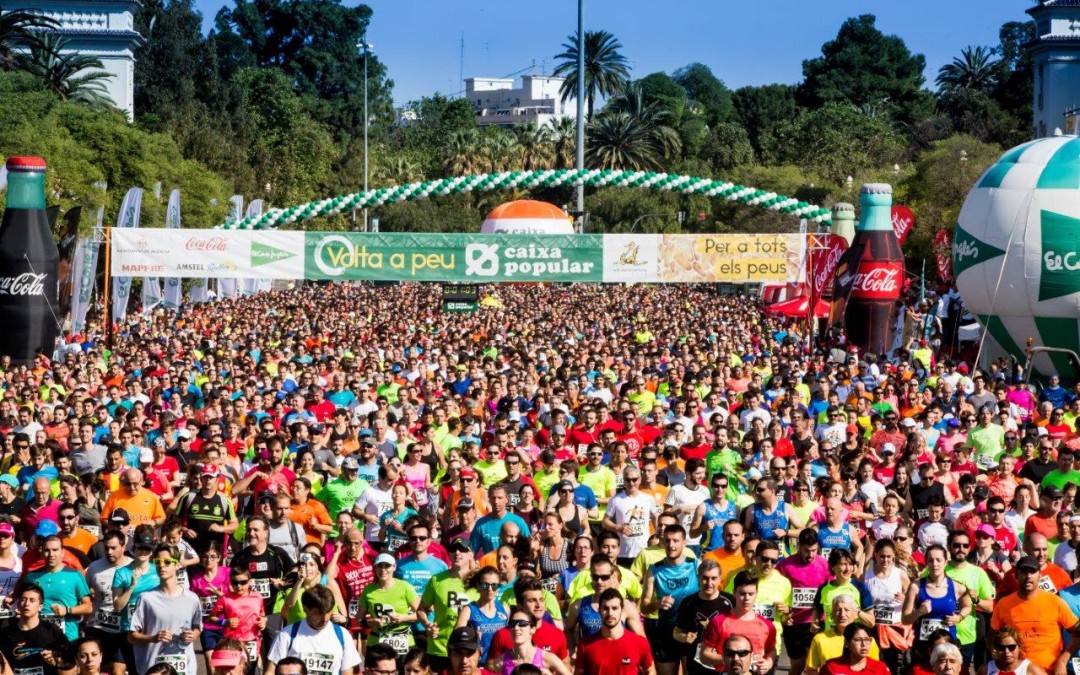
[
  {"x": 879, "y": 281},
  {"x": 24, "y": 284},
  {"x": 903, "y": 220},
  {"x": 206, "y": 244},
  {"x": 825, "y": 261}
]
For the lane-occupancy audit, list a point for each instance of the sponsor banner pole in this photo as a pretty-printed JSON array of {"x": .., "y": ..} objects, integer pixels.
[
  {"x": 85, "y": 276},
  {"x": 250, "y": 286},
  {"x": 173, "y": 287},
  {"x": 127, "y": 219}
]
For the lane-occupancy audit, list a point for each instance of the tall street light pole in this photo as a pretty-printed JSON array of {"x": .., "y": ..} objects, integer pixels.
[
  {"x": 580, "y": 187},
  {"x": 366, "y": 48}
]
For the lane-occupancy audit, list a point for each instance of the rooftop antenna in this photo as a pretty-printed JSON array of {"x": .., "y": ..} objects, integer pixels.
[{"x": 461, "y": 63}]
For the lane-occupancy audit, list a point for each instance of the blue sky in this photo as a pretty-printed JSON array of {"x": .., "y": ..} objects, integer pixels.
[{"x": 420, "y": 40}]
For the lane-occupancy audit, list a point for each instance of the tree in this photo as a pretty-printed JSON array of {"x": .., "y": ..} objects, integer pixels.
[
  {"x": 621, "y": 140},
  {"x": 315, "y": 44},
  {"x": 427, "y": 123},
  {"x": 73, "y": 76},
  {"x": 19, "y": 28},
  {"x": 662, "y": 89},
  {"x": 534, "y": 147},
  {"x": 462, "y": 154},
  {"x": 727, "y": 146},
  {"x": 759, "y": 110},
  {"x": 655, "y": 119},
  {"x": 975, "y": 69},
  {"x": 836, "y": 141},
  {"x": 863, "y": 65},
  {"x": 563, "y": 134},
  {"x": 606, "y": 69},
  {"x": 707, "y": 90},
  {"x": 1015, "y": 88}
]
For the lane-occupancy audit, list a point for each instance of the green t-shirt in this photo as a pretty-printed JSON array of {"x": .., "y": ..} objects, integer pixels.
[
  {"x": 490, "y": 472},
  {"x": 446, "y": 595},
  {"x": 987, "y": 442},
  {"x": 1060, "y": 479},
  {"x": 338, "y": 496},
  {"x": 629, "y": 585},
  {"x": 727, "y": 462},
  {"x": 545, "y": 480},
  {"x": 398, "y": 599},
  {"x": 977, "y": 581},
  {"x": 601, "y": 482}
]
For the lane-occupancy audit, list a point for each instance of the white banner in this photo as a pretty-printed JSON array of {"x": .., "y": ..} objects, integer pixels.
[
  {"x": 214, "y": 254},
  {"x": 249, "y": 287},
  {"x": 229, "y": 287},
  {"x": 84, "y": 276},
  {"x": 128, "y": 218},
  {"x": 173, "y": 287}
]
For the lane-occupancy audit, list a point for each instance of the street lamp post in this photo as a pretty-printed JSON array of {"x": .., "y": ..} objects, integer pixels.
[
  {"x": 633, "y": 226},
  {"x": 366, "y": 48},
  {"x": 580, "y": 187}
]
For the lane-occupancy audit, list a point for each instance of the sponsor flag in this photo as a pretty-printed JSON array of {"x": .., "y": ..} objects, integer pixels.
[
  {"x": 229, "y": 288},
  {"x": 173, "y": 287},
  {"x": 903, "y": 221},
  {"x": 68, "y": 233},
  {"x": 825, "y": 255},
  {"x": 127, "y": 218},
  {"x": 943, "y": 255},
  {"x": 251, "y": 286},
  {"x": 84, "y": 276},
  {"x": 844, "y": 280}
]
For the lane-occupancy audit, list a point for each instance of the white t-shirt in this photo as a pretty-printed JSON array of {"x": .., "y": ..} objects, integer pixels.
[
  {"x": 325, "y": 652},
  {"x": 953, "y": 511},
  {"x": 374, "y": 501},
  {"x": 874, "y": 490},
  {"x": 636, "y": 512},
  {"x": 679, "y": 495}
]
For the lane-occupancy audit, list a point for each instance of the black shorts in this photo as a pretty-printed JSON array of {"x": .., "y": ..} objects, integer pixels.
[
  {"x": 665, "y": 648},
  {"x": 797, "y": 640}
]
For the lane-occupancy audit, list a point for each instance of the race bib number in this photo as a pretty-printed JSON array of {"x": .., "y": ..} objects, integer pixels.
[
  {"x": 920, "y": 514},
  {"x": 57, "y": 621},
  {"x": 41, "y": 671},
  {"x": 887, "y": 615},
  {"x": 107, "y": 620},
  {"x": 825, "y": 552},
  {"x": 550, "y": 584},
  {"x": 638, "y": 527},
  {"x": 318, "y": 664},
  {"x": 803, "y": 598},
  {"x": 985, "y": 462},
  {"x": 261, "y": 586},
  {"x": 1075, "y": 663},
  {"x": 1047, "y": 585},
  {"x": 183, "y": 479},
  {"x": 182, "y": 577},
  {"x": 208, "y": 603},
  {"x": 252, "y": 649},
  {"x": 354, "y": 607},
  {"x": 177, "y": 661},
  {"x": 767, "y": 612},
  {"x": 928, "y": 626},
  {"x": 398, "y": 641},
  {"x": 394, "y": 540}
]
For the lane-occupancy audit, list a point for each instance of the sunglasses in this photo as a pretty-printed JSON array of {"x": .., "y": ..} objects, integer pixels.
[
  {"x": 240, "y": 582},
  {"x": 419, "y": 538},
  {"x": 739, "y": 653},
  {"x": 519, "y": 623},
  {"x": 901, "y": 538},
  {"x": 1007, "y": 648},
  {"x": 601, "y": 577},
  {"x": 769, "y": 561},
  {"x": 161, "y": 562},
  {"x": 488, "y": 586}
]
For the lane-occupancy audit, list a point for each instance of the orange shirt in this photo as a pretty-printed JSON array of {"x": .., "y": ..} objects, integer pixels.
[
  {"x": 80, "y": 540},
  {"x": 729, "y": 562},
  {"x": 144, "y": 507},
  {"x": 301, "y": 514},
  {"x": 1039, "y": 620}
]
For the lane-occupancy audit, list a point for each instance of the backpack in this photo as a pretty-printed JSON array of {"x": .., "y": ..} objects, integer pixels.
[{"x": 294, "y": 630}]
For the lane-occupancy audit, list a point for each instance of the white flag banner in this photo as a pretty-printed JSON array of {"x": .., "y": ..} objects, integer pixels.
[
  {"x": 173, "y": 287},
  {"x": 199, "y": 291},
  {"x": 230, "y": 288},
  {"x": 128, "y": 218},
  {"x": 84, "y": 276},
  {"x": 249, "y": 287}
]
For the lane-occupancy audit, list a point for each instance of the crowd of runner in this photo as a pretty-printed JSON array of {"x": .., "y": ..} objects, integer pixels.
[{"x": 604, "y": 480}]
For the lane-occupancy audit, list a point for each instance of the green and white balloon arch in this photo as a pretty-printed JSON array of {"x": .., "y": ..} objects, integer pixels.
[{"x": 488, "y": 182}]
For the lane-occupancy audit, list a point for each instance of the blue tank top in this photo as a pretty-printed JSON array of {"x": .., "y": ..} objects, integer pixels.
[
  {"x": 833, "y": 539},
  {"x": 715, "y": 518},
  {"x": 487, "y": 626},
  {"x": 765, "y": 523},
  {"x": 588, "y": 618},
  {"x": 939, "y": 609},
  {"x": 678, "y": 581}
]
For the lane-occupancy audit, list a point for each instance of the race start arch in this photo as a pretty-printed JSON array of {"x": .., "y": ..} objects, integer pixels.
[{"x": 489, "y": 182}]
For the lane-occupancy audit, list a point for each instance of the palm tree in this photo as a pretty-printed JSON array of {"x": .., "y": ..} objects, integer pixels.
[
  {"x": 975, "y": 69},
  {"x": 463, "y": 153},
  {"x": 606, "y": 69},
  {"x": 18, "y": 29},
  {"x": 499, "y": 151},
  {"x": 397, "y": 170},
  {"x": 653, "y": 116},
  {"x": 72, "y": 77},
  {"x": 534, "y": 147},
  {"x": 618, "y": 140},
  {"x": 563, "y": 133}
]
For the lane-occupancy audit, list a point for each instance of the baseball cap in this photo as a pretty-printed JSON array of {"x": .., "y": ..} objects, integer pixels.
[
  {"x": 986, "y": 529},
  {"x": 385, "y": 559},
  {"x": 6, "y": 528},
  {"x": 907, "y": 422},
  {"x": 982, "y": 492},
  {"x": 527, "y": 566},
  {"x": 1052, "y": 491},
  {"x": 1028, "y": 562},
  {"x": 468, "y": 472},
  {"x": 183, "y": 433},
  {"x": 465, "y": 505},
  {"x": 563, "y": 485},
  {"x": 558, "y": 429},
  {"x": 350, "y": 464},
  {"x": 953, "y": 422},
  {"x": 208, "y": 470},
  {"x": 46, "y": 528},
  {"x": 227, "y": 658},
  {"x": 10, "y": 480},
  {"x": 144, "y": 541},
  {"x": 888, "y": 447},
  {"x": 368, "y": 441},
  {"x": 465, "y": 637},
  {"x": 460, "y": 545},
  {"x": 159, "y": 442},
  {"x": 119, "y": 517},
  {"x": 146, "y": 456}
]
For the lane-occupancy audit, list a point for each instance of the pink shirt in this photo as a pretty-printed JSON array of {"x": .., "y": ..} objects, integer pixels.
[
  {"x": 805, "y": 580},
  {"x": 248, "y": 608},
  {"x": 201, "y": 586}
]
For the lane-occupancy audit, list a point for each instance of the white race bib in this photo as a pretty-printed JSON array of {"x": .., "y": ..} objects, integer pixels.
[
  {"x": 261, "y": 586},
  {"x": 887, "y": 615},
  {"x": 354, "y": 607},
  {"x": 208, "y": 603},
  {"x": 803, "y": 598},
  {"x": 399, "y": 641},
  {"x": 252, "y": 649},
  {"x": 41, "y": 671},
  {"x": 638, "y": 527},
  {"x": 985, "y": 461},
  {"x": 1047, "y": 585},
  {"x": 765, "y": 611},
  {"x": 318, "y": 664},
  {"x": 928, "y": 626},
  {"x": 177, "y": 661},
  {"x": 106, "y": 620},
  {"x": 57, "y": 621},
  {"x": 94, "y": 530}
]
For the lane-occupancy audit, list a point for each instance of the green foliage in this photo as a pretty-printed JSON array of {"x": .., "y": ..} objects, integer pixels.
[
  {"x": 18, "y": 28},
  {"x": 975, "y": 69},
  {"x": 760, "y": 110},
  {"x": 72, "y": 76},
  {"x": 705, "y": 89},
  {"x": 863, "y": 65},
  {"x": 663, "y": 90},
  {"x": 836, "y": 141},
  {"x": 726, "y": 147}
]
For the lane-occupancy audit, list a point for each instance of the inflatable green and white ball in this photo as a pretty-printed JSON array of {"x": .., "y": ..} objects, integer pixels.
[{"x": 1016, "y": 250}]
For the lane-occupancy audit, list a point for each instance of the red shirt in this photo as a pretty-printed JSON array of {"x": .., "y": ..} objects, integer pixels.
[
  {"x": 760, "y": 633},
  {"x": 629, "y": 654},
  {"x": 783, "y": 448},
  {"x": 352, "y": 577},
  {"x": 688, "y": 452},
  {"x": 1005, "y": 536},
  {"x": 633, "y": 441},
  {"x": 547, "y": 637},
  {"x": 839, "y": 666}
]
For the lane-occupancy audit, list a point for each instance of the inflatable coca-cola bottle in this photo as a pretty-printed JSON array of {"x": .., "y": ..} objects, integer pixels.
[
  {"x": 870, "y": 312},
  {"x": 28, "y": 265}
]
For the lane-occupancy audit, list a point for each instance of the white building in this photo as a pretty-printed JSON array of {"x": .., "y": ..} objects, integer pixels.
[
  {"x": 535, "y": 102},
  {"x": 104, "y": 29},
  {"x": 1056, "y": 54}
]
